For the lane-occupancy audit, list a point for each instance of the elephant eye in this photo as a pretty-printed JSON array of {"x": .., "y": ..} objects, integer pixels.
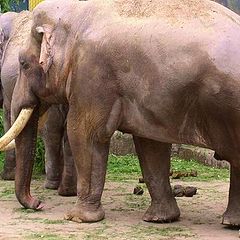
[{"x": 24, "y": 65}]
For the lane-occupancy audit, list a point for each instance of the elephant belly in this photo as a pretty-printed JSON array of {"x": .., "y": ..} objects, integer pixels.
[{"x": 161, "y": 125}]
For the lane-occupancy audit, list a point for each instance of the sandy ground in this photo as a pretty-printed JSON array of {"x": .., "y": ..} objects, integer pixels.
[{"x": 200, "y": 215}]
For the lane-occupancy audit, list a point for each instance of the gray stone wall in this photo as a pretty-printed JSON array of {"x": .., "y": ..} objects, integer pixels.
[
  {"x": 202, "y": 155},
  {"x": 122, "y": 144}
]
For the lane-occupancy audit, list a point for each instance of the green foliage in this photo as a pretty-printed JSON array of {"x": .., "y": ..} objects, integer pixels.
[
  {"x": 39, "y": 166},
  {"x": 127, "y": 168},
  {"x": 46, "y": 236},
  {"x": 7, "y": 192},
  {"x": 171, "y": 232},
  {"x": 5, "y": 4},
  {"x": 123, "y": 167},
  {"x": 205, "y": 173}
]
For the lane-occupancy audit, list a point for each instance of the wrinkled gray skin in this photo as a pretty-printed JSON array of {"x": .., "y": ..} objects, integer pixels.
[
  {"x": 165, "y": 78},
  {"x": 15, "y": 28}
]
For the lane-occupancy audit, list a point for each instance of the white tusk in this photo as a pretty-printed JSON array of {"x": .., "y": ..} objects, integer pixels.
[
  {"x": 16, "y": 128},
  {"x": 10, "y": 146}
]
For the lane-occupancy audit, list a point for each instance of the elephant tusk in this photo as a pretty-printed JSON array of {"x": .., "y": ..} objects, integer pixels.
[
  {"x": 10, "y": 146},
  {"x": 16, "y": 128}
]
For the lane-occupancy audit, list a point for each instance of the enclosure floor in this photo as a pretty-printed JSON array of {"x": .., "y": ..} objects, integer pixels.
[{"x": 200, "y": 215}]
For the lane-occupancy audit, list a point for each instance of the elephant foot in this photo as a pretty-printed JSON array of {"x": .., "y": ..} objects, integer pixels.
[
  {"x": 162, "y": 213},
  {"x": 231, "y": 218},
  {"x": 52, "y": 184},
  {"x": 85, "y": 213},
  {"x": 8, "y": 174},
  {"x": 66, "y": 191}
]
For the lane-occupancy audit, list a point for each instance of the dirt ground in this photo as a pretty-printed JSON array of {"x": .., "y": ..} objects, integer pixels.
[{"x": 200, "y": 215}]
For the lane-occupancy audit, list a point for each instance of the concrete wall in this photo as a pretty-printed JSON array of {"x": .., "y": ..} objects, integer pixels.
[{"x": 122, "y": 144}]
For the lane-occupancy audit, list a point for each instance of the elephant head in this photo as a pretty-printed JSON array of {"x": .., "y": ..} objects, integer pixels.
[{"x": 44, "y": 73}]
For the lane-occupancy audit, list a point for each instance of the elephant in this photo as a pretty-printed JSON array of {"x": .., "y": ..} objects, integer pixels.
[
  {"x": 6, "y": 25},
  {"x": 6, "y": 21},
  {"x": 60, "y": 169},
  {"x": 164, "y": 71}
]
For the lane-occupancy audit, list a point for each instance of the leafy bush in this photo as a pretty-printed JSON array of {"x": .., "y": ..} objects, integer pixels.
[
  {"x": 5, "y": 4},
  {"x": 126, "y": 168},
  {"x": 39, "y": 165}
]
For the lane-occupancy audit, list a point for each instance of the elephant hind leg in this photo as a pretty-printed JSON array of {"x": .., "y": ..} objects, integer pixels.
[
  {"x": 155, "y": 164},
  {"x": 53, "y": 161},
  {"x": 52, "y": 135},
  {"x": 68, "y": 185},
  {"x": 228, "y": 149},
  {"x": 231, "y": 216}
]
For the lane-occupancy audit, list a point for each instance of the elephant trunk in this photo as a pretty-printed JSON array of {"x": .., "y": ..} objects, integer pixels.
[{"x": 25, "y": 152}]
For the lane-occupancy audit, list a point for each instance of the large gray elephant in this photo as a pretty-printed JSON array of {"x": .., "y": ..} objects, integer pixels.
[
  {"x": 15, "y": 28},
  {"x": 164, "y": 71}
]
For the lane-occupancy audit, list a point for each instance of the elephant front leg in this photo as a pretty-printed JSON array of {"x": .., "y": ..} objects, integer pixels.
[
  {"x": 155, "y": 164},
  {"x": 232, "y": 214},
  {"x": 90, "y": 155}
]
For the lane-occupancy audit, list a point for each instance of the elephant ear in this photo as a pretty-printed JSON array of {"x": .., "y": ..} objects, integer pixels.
[{"x": 47, "y": 52}]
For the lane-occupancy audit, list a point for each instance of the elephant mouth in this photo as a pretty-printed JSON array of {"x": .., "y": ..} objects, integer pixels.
[{"x": 7, "y": 141}]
